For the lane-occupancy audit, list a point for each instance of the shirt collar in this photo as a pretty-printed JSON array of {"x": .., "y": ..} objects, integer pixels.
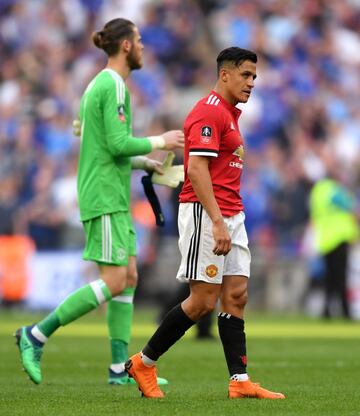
[
  {"x": 113, "y": 73},
  {"x": 234, "y": 110}
]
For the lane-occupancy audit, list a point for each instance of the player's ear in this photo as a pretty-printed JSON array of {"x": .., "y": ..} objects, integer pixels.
[
  {"x": 223, "y": 75},
  {"x": 126, "y": 45}
]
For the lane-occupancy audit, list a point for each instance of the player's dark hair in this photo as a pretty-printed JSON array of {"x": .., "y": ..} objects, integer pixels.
[
  {"x": 113, "y": 32},
  {"x": 236, "y": 56}
]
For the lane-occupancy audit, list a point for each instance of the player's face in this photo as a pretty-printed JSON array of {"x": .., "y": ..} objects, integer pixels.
[
  {"x": 135, "y": 56},
  {"x": 240, "y": 81}
]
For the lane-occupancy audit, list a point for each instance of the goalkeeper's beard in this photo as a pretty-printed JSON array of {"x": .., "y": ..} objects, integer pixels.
[{"x": 134, "y": 61}]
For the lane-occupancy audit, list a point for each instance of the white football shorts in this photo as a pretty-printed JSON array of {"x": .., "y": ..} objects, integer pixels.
[{"x": 196, "y": 243}]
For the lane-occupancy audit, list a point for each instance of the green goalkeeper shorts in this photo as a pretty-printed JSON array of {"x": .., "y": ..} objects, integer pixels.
[{"x": 110, "y": 239}]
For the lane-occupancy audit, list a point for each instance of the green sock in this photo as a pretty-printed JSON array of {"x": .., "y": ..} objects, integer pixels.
[
  {"x": 49, "y": 324},
  {"x": 83, "y": 301},
  {"x": 119, "y": 351},
  {"x": 119, "y": 318}
]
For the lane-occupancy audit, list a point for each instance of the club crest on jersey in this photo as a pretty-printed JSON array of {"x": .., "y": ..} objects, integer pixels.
[
  {"x": 240, "y": 152},
  {"x": 121, "y": 254},
  {"x": 211, "y": 270},
  {"x": 206, "y": 133},
  {"x": 121, "y": 113}
]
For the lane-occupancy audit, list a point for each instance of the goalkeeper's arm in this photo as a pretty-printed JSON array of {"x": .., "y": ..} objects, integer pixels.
[{"x": 123, "y": 145}]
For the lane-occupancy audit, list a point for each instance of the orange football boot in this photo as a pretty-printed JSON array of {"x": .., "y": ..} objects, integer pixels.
[
  {"x": 248, "y": 389},
  {"x": 145, "y": 377}
]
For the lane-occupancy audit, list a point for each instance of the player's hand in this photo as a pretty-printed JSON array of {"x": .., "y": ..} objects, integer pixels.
[
  {"x": 174, "y": 139},
  {"x": 170, "y": 175},
  {"x": 222, "y": 238},
  {"x": 152, "y": 165},
  {"x": 76, "y": 125}
]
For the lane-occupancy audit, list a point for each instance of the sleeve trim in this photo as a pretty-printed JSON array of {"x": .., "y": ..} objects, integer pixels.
[
  {"x": 203, "y": 149},
  {"x": 203, "y": 153}
]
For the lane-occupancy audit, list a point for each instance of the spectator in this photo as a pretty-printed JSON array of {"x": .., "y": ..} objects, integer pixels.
[{"x": 335, "y": 225}]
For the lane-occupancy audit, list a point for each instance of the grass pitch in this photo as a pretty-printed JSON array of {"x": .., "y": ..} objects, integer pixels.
[{"x": 315, "y": 363}]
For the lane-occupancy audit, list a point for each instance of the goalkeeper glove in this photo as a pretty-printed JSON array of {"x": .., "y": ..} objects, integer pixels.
[{"x": 172, "y": 175}]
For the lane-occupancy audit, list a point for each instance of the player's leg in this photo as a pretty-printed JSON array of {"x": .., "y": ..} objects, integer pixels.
[
  {"x": 233, "y": 299},
  {"x": 195, "y": 239},
  {"x": 232, "y": 335},
  {"x": 202, "y": 299},
  {"x": 203, "y": 325},
  {"x": 231, "y": 323},
  {"x": 119, "y": 319},
  {"x": 31, "y": 339}
]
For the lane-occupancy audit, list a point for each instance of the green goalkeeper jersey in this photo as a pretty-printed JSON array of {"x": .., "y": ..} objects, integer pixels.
[{"x": 104, "y": 170}]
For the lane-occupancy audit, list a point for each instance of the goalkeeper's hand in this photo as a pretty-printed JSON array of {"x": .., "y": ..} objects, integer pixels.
[
  {"x": 76, "y": 124},
  {"x": 171, "y": 175}
]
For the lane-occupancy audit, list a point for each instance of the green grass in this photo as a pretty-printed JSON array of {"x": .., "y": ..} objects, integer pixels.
[{"x": 316, "y": 364}]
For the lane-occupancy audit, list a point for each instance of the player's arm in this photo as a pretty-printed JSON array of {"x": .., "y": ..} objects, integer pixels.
[
  {"x": 121, "y": 143},
  {"x": 172, "y": 138},
  {"x": 204, "y": 138}
]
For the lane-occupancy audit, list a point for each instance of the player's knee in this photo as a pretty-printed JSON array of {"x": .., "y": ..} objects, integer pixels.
[
  {"x": 236, "y": 299},
  {"x": 197, "y": 309},
  {"x": 114, "y": 278},
  {"x": 207, "y": 306},
  {"x": 240, "y": 299},
  {"x": 117, "y": 287}
]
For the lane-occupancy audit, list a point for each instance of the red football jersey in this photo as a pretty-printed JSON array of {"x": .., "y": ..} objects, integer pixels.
[{"x": 211, "y": 129}]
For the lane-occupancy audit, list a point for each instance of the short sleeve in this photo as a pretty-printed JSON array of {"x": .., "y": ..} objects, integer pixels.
[{"x": 204, "y": 132}]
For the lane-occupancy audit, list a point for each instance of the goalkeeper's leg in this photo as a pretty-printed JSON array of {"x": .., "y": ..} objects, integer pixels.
[
  {"x": 31, "y": 339},
  {"x": 104, "y": 236},
  {"x": 119, "y": 318}
]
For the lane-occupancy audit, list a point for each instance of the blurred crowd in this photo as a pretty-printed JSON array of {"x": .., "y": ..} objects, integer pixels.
[{"x": 302, "y": 119}]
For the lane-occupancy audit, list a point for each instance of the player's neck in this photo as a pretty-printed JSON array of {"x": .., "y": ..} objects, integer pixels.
[
  {"x": 120, "y": 66},
  {"x": 219, "y": 89}
]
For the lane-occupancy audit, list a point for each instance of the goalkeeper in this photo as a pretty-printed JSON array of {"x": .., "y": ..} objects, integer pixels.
[{"x": 108, "y": 153}]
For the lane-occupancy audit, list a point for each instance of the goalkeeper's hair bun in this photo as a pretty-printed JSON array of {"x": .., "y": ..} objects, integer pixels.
[
  {"x": 97, "y": 38},
  {"x": 113, "y": 32}
]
